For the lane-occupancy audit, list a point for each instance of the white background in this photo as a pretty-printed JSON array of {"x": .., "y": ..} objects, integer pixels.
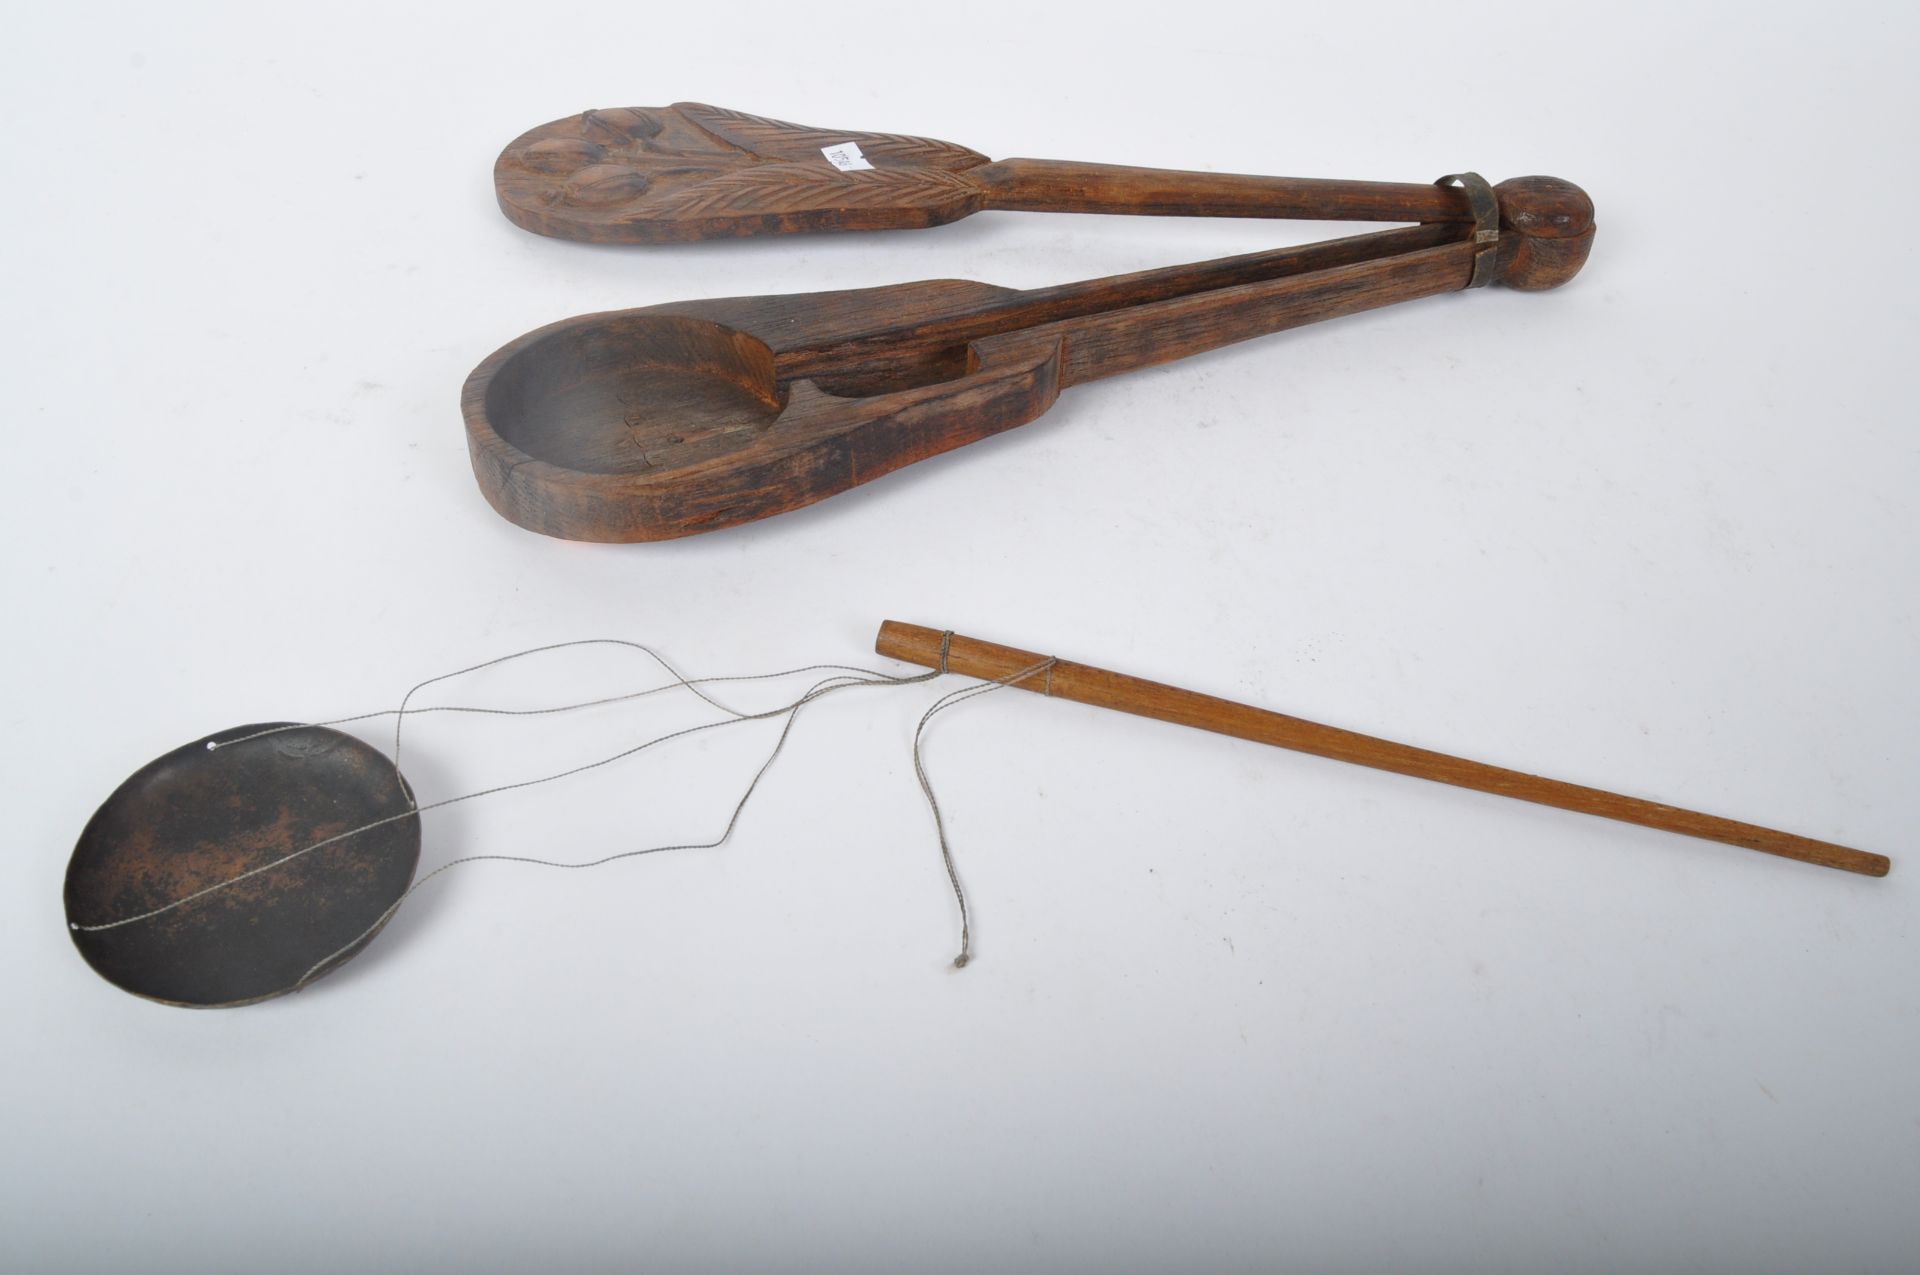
[{"x": 1232, "y": 1008}]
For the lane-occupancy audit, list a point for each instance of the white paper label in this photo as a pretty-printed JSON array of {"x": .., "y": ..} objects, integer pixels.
[{"x": 846, "y": 156}]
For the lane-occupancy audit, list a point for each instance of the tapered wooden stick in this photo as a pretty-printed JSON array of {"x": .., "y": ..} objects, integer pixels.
[{"x": 1062, "y": 679}]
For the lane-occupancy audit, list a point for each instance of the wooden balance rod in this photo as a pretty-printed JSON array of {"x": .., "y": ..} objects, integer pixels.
[{"x": 1082, "y": 683}]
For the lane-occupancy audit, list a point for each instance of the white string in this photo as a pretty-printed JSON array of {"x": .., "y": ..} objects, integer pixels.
[
  {"x": 926, "y": 785},
  {"x": 791, "y": 712}
]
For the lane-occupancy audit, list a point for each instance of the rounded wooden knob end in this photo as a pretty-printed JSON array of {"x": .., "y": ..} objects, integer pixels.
[
  {"x": 1544, "y": 207},
  {"x": 1546, "y": 232}
]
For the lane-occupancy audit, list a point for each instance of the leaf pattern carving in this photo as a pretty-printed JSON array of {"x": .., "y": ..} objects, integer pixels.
[
  {"x": 777, "y": 139},
  {"x": 800, "y": 188}
]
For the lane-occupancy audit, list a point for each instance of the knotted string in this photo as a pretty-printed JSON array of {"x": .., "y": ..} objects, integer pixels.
[
  {"x": 926, "y": 785},
  {"x": 842, "y": 677}
]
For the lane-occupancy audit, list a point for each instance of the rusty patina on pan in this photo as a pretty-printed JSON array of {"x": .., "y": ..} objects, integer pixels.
[{"x": 199, "y": 816}]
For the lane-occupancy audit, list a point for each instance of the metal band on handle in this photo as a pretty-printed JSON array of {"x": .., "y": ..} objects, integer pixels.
[{"x": 1486, "y": 223}]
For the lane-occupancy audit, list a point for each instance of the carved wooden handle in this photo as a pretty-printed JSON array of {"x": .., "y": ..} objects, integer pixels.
[
  {"x": 692, "y": 171},
  {"x": 1052, "y": 185},
  {"x": 1085, "y": 684}
]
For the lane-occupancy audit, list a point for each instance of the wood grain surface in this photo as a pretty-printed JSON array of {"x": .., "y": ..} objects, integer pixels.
[
  {"x": 1085, "y": 684},
  {"x": 653, "y": 423},
  {"x": 692, "y": 171}
]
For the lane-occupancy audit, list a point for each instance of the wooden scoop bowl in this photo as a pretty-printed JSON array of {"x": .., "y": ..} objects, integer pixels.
[{"x": 674, "y": 419}]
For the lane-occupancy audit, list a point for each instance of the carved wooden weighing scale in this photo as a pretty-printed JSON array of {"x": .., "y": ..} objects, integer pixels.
[
  {"x": 248, "y": 863},
  {"x": 245, "y": 866},
  {"x": 692, "y": 416}
]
